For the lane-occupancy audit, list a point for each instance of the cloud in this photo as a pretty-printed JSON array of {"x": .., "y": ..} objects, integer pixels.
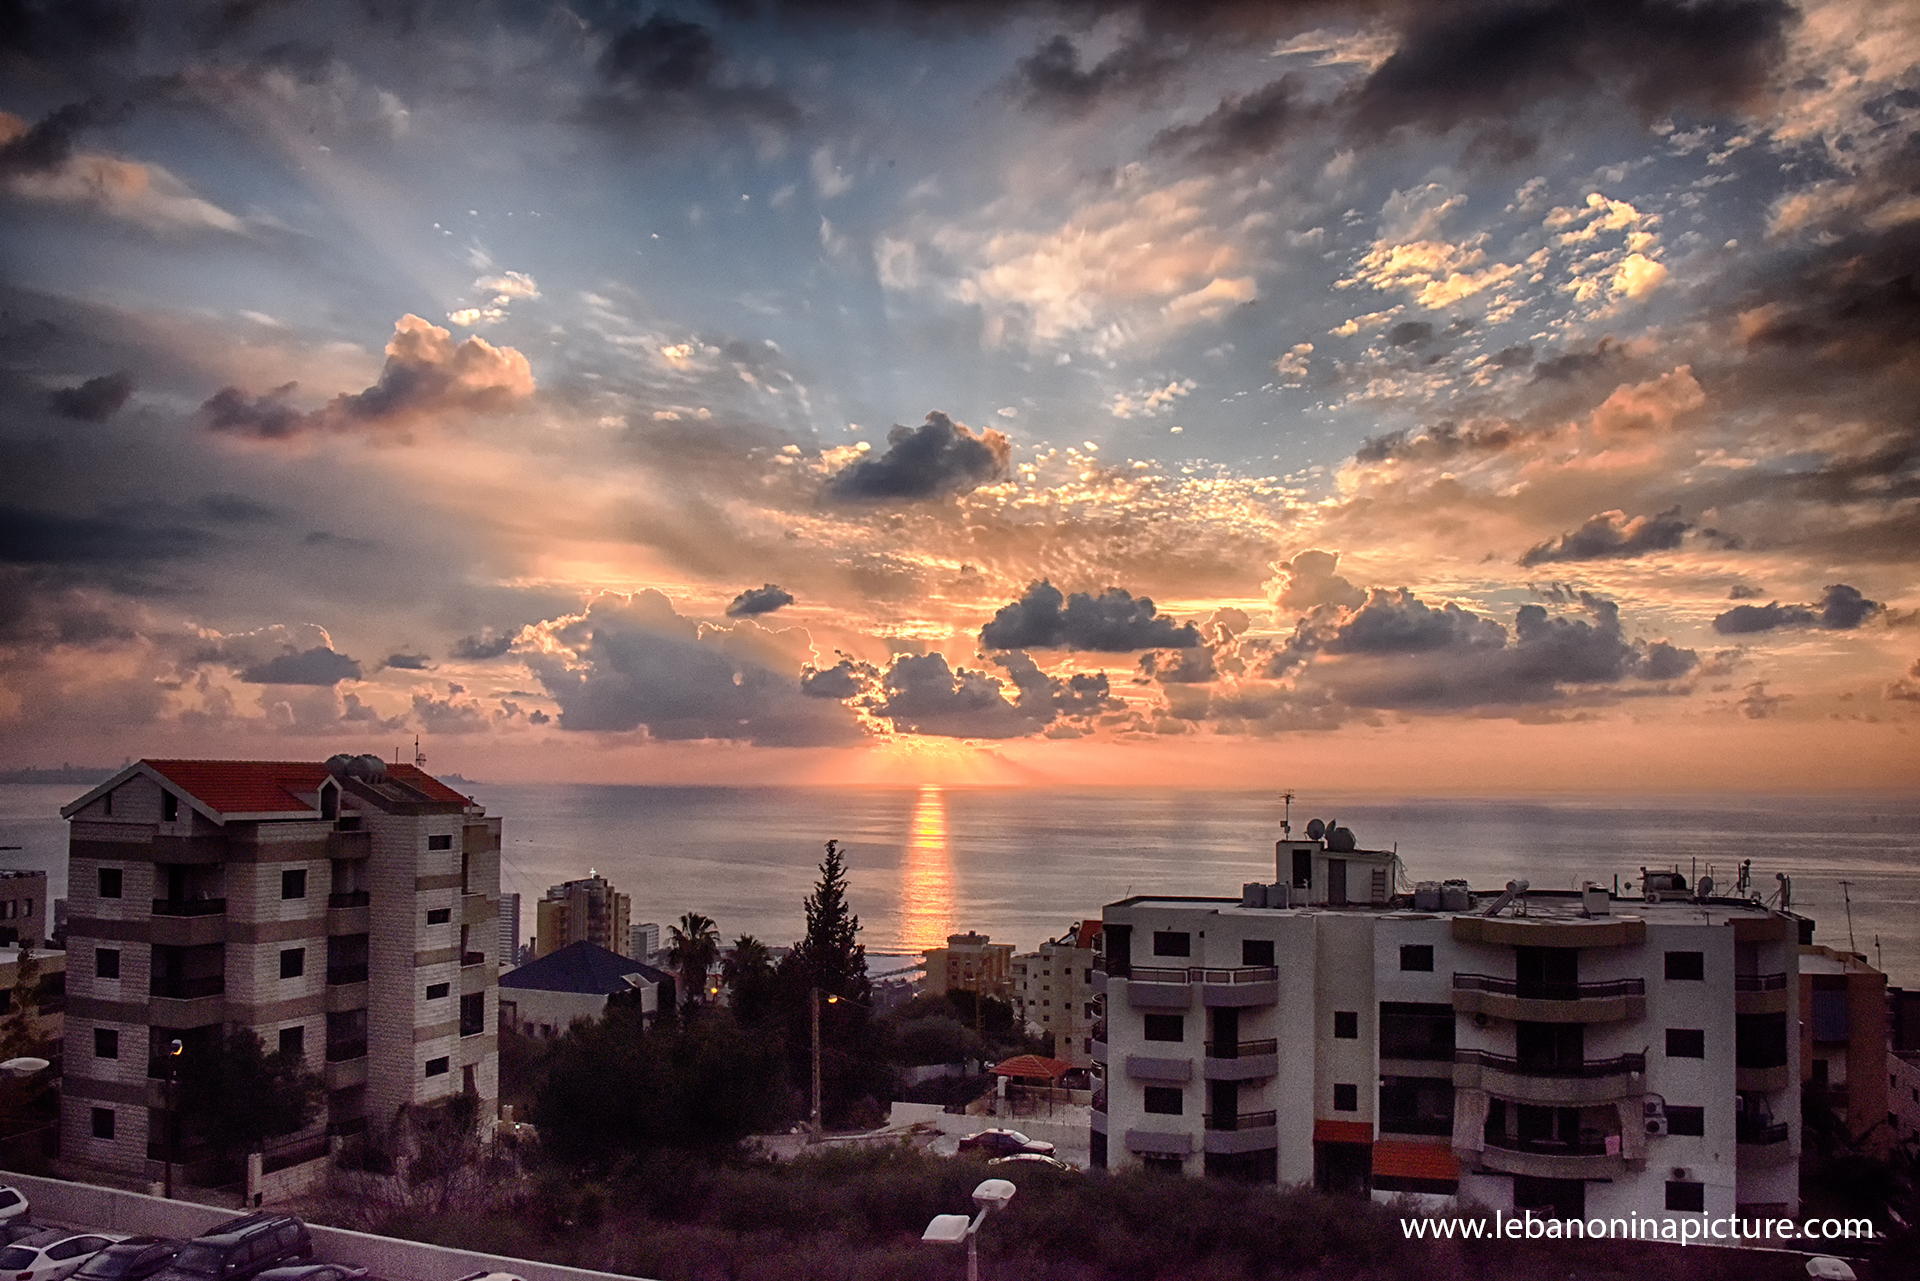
[
  {"x": 30, "y": 537},
  {"x": 1179, "y": 666},
  {"x": 1243, "y": 127},
  {"x": 1051, "y": 76},
  {"x": 488, "y": 644},
  {"x": 921, "y": 694},
  {"x": 1758, "y": 705},
  {"x": 93, "y": 401},
  {"x": 1611, "y": 536},
  {"x": 1498, "y": 61},
  {"x": 936, "y": 459},
  {"x": 844, "y": 679},
  {"x": 426, "y": 375},
  {"x": 39, "y": 163},
  {"x": 1308, "y": 581},
  {"x": 633, "y": 663},
  {"x": 409, "y": 662},
  {"x": 1113, "y": 622},
  {"x": 759, "y": 600},
  {"x": 1841, "y": 608},
  {"x": 320, "y": 665},
  {"x": 667, "y": 76}
]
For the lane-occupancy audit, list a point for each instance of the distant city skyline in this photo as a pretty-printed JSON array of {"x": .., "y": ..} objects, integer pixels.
[{"x": 1376, "y": 396}]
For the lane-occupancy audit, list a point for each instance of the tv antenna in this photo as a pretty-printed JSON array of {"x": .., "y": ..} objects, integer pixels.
[
  {"x": 1286, "y": 822},
  {"x": 1847, "y": 897},
  {"x": 419, "y": 757}
]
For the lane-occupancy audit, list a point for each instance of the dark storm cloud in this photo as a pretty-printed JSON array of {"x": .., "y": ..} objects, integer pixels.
[
  {"x": 1409, "y": 333},
  {"x": 264, "y": 417},
  {"x": 317, "y": 666},
  {"x": 1611, "y": 536},
  {"x": 1740, "y": 591},
  {"x": 93, "y": 401},
  {"x": 1052, "y": 78},
  {"x": 1497, "y": 61},
  {"x": 1400, "y": 623},
  {"x": 921, "y": 694},
  {"x": 1841, "y": 608},
  {"x": 1113, "y": 622},
  {"x": 1045, "y": 698},
  {"x": 60, "y": 29},
  {"x": 759, "y": 600},
  {"x": 50, "y": 538},
  {"x": 409, "y": 662},
  {"x": 636, "y": 664},
  {"x": 1571, "y": 365},
  {"x": 843, "y": 680},
  {"x": 49, "y": 143},
  {"x": 1243, "y": 127},
  {"x": 938, "y": 458},
  {"x": 669, "y": 70},
  {"x": 1179, "y": 666},
  {"x": 1518, "y": 356},
  {"x": 488, "y": 644}
]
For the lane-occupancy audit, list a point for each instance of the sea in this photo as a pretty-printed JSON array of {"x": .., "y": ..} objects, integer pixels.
[{"x": 1022, "y": 865}]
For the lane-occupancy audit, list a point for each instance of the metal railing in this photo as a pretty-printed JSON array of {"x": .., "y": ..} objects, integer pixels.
[
  {"x": 189, "y": 907},
  {"x": 187, "y": 989},
  {"x": 1241, "y": 1121},
  {"x": 1585, "y": 1145},
  {"x": 351, "y": 898},
  {"x": 1241, "y": 1049},
  {"x": 1099, "y": 1100},
  {"x": 1543, "y": 991},
  {"x": 1201, "y": 974},
  {"x": 346, "y": 1051},
  {"x": 1759, "y": 982},
  {"x": 337, "y": 975},
  {"x": 472, "y": 958},
  {"x": 1756, "y": 1131},
  {"x": 1586, "y": 1069}
]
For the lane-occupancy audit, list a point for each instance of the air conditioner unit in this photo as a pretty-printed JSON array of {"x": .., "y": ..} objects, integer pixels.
[
  {"x": 1651, "y": 896},
  {"x": 1656, "y": 1127},
  {"x": 1681, "y": 1174}
]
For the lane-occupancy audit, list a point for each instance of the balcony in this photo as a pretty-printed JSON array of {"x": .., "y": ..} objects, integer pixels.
[
  {"x": 1168, "y": 987},
  {"x": 472, "y": 958},
  {"x": 339, "y": 975},
  {"x": 1760, "y": 994},
  {"x": 1586, "y": 1158},
  {"x": 1760, "y": 1078},
  {"x": 1142, "y": 1067},
  {"x": 1503, "y": 998},
  {"x": 351, "y": 898},
  {"x": 189, "y": 907},
  {"x": 346, "y": 1051},
  {"x": 1240, "y": 1132},
  {"x": 1242, "y": 1060},
  {"x": 177, "y": 988},
  {"x": 1573, "y": 1084},
  {"x": 1757, "y": 1131}
]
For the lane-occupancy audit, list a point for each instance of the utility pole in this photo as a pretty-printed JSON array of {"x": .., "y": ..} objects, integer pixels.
[
  {"x": 815, "y": 1138},
  {"x": 1846, "y": 894},
  {"x": 173, "y": 1109}
]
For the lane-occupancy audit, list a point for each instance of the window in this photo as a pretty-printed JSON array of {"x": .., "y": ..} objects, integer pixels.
[
  {"x": 103, "y": 1123},
  {"x": 1172, "y": 943},
  {"x": 169, "y": 807},
  {"x": 106, "y": 1043},
  {"x": 436, "y": 991},
  {"x": 293, "y": 962},
  {"x": 293, "y": 1040},
  {"x": 1416, "y": 1030},
  {"x": 1684, "y": 1121},
  {"x": 1759, "y": 1040},
  {"x": 1683, "y": 1195},
  {"x": 1417, "y": 956},
  {"x": 1166, "y": 1100},
  {"x": 1416, "y": 1105},
  {"x": 1256, "y": 951},
  {"x": 437, "y": 1067},
  {"x": 439, "y": 915},
  {"x": 1686, "y": 1043},
  {"x": 440, "y": 842},
  {"x": 293, "y": 884},
  {"x": 1166, "y": 1027},
  {"x": 1346, "y": 1025},
  {"x": 1686, "y": 967},
  {"x": 106, "y": 962},
  {"x": 473, "y": 1014},
  {"x": 109, "y": 882},
  {"x": 106, "y": 804},
  {"x": 1346, "y": 1098}
]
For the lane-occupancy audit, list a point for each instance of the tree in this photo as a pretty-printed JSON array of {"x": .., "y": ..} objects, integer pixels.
[
  {"x": 748, "y": 975},
  {"x": 693, "y": 945},
  {"x": 831, "y": 960},
  {"x": 238, "y": 1096},
  {"x": 831, "y": 956}
]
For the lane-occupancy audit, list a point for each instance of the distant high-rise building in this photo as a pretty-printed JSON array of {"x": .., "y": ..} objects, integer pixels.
[
  {"x": 509, "y": 931},
  {"x": 643, "y": 940},
  {"x": 589, "y": 909},
  {"x": 972, "y": 962},
  {"x": 23, "y": 907}
]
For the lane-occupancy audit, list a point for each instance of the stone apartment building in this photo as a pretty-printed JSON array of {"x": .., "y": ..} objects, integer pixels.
[
  {"x": 1570, "y": 1053},
  {"x": 346, "y": 910},
  {"x": 969, "y": 962},
  {"x": 1053, "y": 992},
  {"x": 588, "y": 910},
  {"x": 23, "y": 907}
]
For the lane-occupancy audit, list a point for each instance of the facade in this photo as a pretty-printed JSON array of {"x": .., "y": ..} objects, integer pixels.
[
  {"x": 49, "y": 990},
  {"x": 509, "y": 952},
  {"x": 346, "y": 910},
  {"x": 23, "y": 907},
  {"x": 643, "y": 940},
  {"x": 1566, "y": 1052},
  {"x": 969, "y": 962},
  {"x": 545, "y": 997},
  {"x": 1053, "y": 992},
  {"x": 590, "y": 910},
  {"x": 1844, "y": 1036}
]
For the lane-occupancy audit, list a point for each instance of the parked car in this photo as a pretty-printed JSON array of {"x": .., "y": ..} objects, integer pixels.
[
  {"x": 1032, "y": 1158},
  {"x": 1004, "y": 1143},
  {"x": 240, "y": 1249},
  {"x": 133, "y": 1259},
  {"x": 13, "y": 1204},
  {"x": 312, "y": 1272},
  {"x": 19, "y": 1230},
  {"x": 53, "y": 1255},
  {"x": 489, "y": 1276}
]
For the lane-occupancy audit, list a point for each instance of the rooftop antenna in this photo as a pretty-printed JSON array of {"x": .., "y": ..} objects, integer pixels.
[
  {"x": 1847, "y": 897},
  {"x": 1286, "y": 822},
  {"x": 1879, "y": 962},
  {"x": 419, "y": 757}
]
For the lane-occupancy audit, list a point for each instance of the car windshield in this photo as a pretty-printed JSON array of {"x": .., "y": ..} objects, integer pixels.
[
  {"x": 204, "y": 1260},
  {"x": 111, "y": 1262},
  {"x": 16, "y": 1257}
]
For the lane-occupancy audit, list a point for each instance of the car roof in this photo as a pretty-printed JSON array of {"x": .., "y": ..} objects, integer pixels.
[{"x": 235, "y": 1228}]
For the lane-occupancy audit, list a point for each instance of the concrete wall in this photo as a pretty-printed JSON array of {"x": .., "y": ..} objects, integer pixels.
[{"x": 114, "y": 1211}]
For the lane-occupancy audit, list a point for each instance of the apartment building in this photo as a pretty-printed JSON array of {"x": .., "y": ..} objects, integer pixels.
[
  {"x": 23, "y": 907},
  {"x": 509, "y": 949},
  {"x": 1053, "y": 995},
  {"x": 588, "y": 910},
  {"x": 1569, "y": 1053},
  {"x": 1844, "y": 1039},
  {"x": 345, "y": 910},
  {"x": 969, "y": 962}
]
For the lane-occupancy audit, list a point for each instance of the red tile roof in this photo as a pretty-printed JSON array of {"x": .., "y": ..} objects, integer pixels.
[
  {"x": 421, "y": 781},
  {"x": 270, "y": 787}
]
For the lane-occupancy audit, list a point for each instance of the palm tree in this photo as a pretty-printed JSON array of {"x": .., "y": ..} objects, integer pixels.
[
  {"x": 748, "y": 974},
  {"x": 692, "y": 945}
]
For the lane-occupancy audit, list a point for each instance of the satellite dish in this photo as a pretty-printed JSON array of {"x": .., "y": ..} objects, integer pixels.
[
  {"x": 1316, "y": 829},
  {"x": 1706, "y": 887}
]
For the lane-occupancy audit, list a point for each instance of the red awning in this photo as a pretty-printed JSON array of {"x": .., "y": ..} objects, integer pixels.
[{"x": 1033, "y": 1066}]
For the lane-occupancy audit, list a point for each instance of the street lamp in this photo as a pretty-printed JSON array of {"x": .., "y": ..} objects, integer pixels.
[
  {"x": 831, "y": 1000},
  {"x": 173, "y": 1108},
  {"x": 951, "y": 1229}
]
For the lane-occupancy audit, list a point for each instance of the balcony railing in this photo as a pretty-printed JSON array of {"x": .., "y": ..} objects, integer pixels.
[
  {"x": 1241, "y": 1049},
  {"x": 345, "y": 1051},
  {"x": 1585, "y": 1145},
  {"x": 338, "y": 975},
  {"x": 189, "y": 907},
  {"x": 188, "y": 989},
  {"x": 1392, "y": 1123},
  {"x": 472, "y": 958},
  {"x": 1549, "y": 991},
  {"x": 1747, "y": 1130},
  {"x": 1241, "y": 1121},
  {"x": 351, "y": 898},
  {"x": 1201, "y": 974},
  {"x": 1099, "y": 1100},
  {"x": 1759, "y": 982},
  {"x": 1588, "y": 1069}
]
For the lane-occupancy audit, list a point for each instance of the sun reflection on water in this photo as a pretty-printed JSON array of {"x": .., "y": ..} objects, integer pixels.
[{"x": 926, "y": 890}]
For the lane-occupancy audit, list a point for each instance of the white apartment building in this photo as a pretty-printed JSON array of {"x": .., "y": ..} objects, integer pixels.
[
  {"x": 345, "y": 910},
  {"x": 1568, "y": 1052},
  {"x": 509, "y": 949},
  {"x": 1053, "y": 992}
]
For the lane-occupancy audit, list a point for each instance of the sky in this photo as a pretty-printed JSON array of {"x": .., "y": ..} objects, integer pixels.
[{"x": 1473, "y": 395}]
